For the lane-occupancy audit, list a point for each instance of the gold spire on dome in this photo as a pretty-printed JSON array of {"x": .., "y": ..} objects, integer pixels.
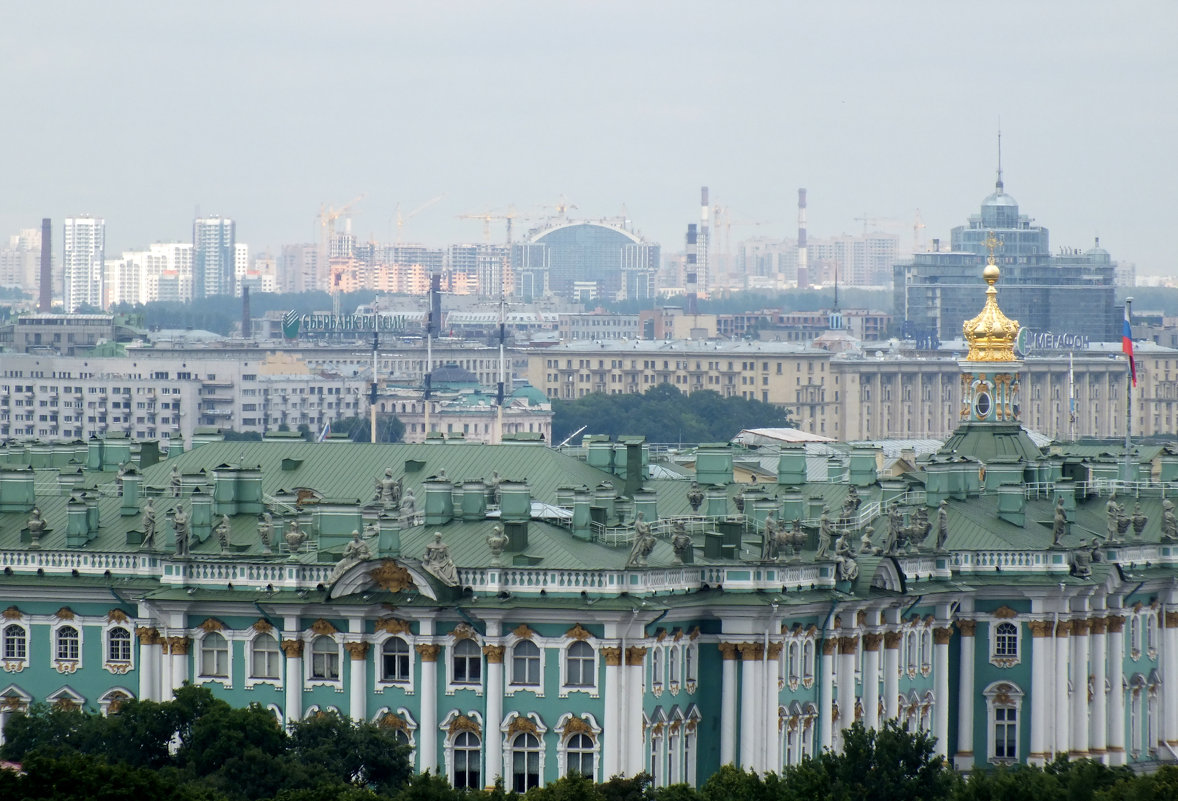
[{"x": 991, "y": 334}]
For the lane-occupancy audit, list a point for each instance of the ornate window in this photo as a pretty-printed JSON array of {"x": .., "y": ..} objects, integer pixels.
[
  {"x": 808, "y": 661},
  {"x": 690, "y": 665},
  {"x": 467, "y": 771},
  {"x": 118, "y": 645},
  {"x": 110, "y": 701},
  {"x": 1004, "y": 644},
  {"x": 1134, "y": 636},
  {"x": 214, "y": 656},
  {"x": 16, "y": 644},
  {"x": 394, "y": 664},
  {"x": 793, "y": 660},
  {"x": 525, "y": 663},
  {"x": 580, "y": 753},
  {"x": 656, "y": 669},
  {"x": 525, "y": 762},
  {"x": 1003, "y": 707},
  {"x": 580, "y": 665},
  {"x": 926, "y": 650},
  {"x": 324, "y": 658},
  {"x": 673, "y": 657},
  {"x": 68, "y": 644},
  {"x": 467, "y": 663},
  {"x": 265, "y": 658},
  {"x": 1151, "y": 633},
  {"x": 910, "y": 651}
]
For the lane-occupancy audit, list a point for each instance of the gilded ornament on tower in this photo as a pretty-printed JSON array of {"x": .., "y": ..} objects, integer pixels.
[{"x": 991, "y": 335}]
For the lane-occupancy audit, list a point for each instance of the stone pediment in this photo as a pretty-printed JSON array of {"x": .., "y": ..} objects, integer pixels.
[{"x": 384, "y": 575}]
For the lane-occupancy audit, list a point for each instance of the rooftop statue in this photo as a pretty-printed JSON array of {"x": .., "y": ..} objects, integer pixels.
[
  {"x": 148, "y": 521},
  {"x": 438, "y": 562},
  {"x": 681, "y": 542},
  {"x": 180, "y": 527},
  {"x": 355, "y": 552},
  {"x": 695, "y": 496},
  {"x": 644, "y": 542},
  {"x": 825, "y": 535},
  {"x": 266, "y": 531},
  {"x": 1059, "y": 526},
  {"x": 497, "y": 543},
  {"x": 294, "y": 536},
  {"x": 1169, "y": 522},
  {"x": 222, "y": 532},
  {"x": 36, "y": 527},
  {"x": 942, "y": 525}
]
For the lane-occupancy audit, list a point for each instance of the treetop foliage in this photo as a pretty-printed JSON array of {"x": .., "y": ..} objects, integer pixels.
[{"x": 664, "y": 414}]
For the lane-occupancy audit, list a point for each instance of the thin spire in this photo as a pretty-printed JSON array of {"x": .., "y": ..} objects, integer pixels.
[{"x": 998, "y": 183}]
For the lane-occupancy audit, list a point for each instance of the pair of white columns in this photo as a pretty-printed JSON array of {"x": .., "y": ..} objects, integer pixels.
[
  {"x": 623, "y": 752},
  {"x": 755, "y": 727}
]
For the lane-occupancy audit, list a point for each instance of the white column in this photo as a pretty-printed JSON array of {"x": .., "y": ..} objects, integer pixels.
[
  {"x": 826, "y": 692},
  {"x": 179, "y": 648},
  {"x": 964, "y": 759},
  {"x": 941, "y": 637},
  {"x": 771, "y": 760},
  {"x": 293, "y": 649},
  {"x": 1060, "y": 685},
  {"x": 636, "y": 752},
  {"x": 357, "y": 680},
  {"x": 1079, "y": 678},
  {"x": 750, "y": 654},
  {"x": 427, "y": 742},
  {"x": 1098, "y": 731},
  {"x": 612, "y": 738},
  {"x": 149, "y": 663},
  {"x": 494, "y": 755},
  {"x": 846, "y": 669},
  {"x": 891, "y": 668},
  {"x": 871, "y": 643},
  {"x": 1170, "y": 677},
  {"x": 728, "y": 704},
  {"x": 1042, "y": 722},
  {"x": 1116, "y": 696}
]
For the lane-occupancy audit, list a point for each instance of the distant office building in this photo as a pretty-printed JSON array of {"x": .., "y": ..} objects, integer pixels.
[
  {"x": 620, "y": 263},
  {"x": 84, "y": 246},
  {"x": 1072, "y": 292},
  {"x": 214, "y": 241},
  {"x": 299, "y": 269},
  {"x": 163, "y": 272},
  {"x": 20, "y": 260},
  {"x": 853, "y": 260}
]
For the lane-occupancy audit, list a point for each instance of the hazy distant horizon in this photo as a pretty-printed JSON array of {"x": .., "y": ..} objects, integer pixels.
[{"x": 141, "y": 113}]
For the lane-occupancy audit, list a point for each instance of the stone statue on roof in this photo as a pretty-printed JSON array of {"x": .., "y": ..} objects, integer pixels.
[
  {"x": 180, "y": 527},
  {"x": 175, "y": 481},
  {"x": 848, "y": 568},
  {"x": 408, "y": 508},
  {"x": 1081, "y": 562},
  {"x": 644, "y": 542},
  {"x": 1169, "y": 522},
  {"x": 497, "y": 543},
  {"x": 695, "y": 496},
  {"x": 266, "y": 531},
  {"x": 851, "y": 505},
  {"x": 921, "y": 526},
  {"x": 355, "y": 552},
  {"x": 493, "y": 486},
  {"x": 389, "y": 489},
  {"x": 148, "y": 521},
  {"x": 865, "y": 546},
  {"x": 1059, "y": 526},
  {"x": 897, "y": 535},
  {"x": 773, "y": 538},
  {"x": 36, "y": 527},
  {"x": 1113, "y": 514},
  {"x": 222, "y": 532},
  {"x": 825, "y": 535},
  {"x": 438, "y": 562},
  {"x": 294, "y": 536},
  {"x": 942, "y": 525},
  {"x": 681, "y": 542}
]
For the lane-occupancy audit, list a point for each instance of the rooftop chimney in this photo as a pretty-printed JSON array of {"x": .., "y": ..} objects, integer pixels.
[{"x": 45, "y": 295}]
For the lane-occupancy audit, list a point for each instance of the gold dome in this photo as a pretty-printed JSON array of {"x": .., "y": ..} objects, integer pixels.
[{"x": 991, "y": 335}]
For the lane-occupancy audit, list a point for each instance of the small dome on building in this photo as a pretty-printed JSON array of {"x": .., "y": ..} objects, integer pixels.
[{"x": 533, "y": 396}]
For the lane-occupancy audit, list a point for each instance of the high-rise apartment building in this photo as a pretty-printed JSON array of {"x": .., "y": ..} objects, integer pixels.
[
  {"x": 162, "y": 272},
  {"x": 83, "y": 251},
  {"x": 214, "y": 249},
  {"x": 20, "y": 259}
]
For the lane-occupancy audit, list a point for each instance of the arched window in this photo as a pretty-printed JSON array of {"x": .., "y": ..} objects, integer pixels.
[
  {"x": 579, "y": 755},
  {"x": 689, "y": 662},
  {"x": 656, "y": 666},
  {"x": 525, "y": 762},
  {"x": 324, "y": 658},
  {"x": 214, "y": 655},
  {"x": 67, "y": 644},
  {"x": 1151, "y": 632},
  {"x": 266, "y": 659},
  {"x": 580, "y": 666},
  {"x": 467, "y": 761},
  {"x": 394, "y": 664},
  {"x": 118, "y": 645},
  {"x": 926, "y": 650},
  {"x": 525, "y": 663},
  {"x": 1135, "y": 635},
  {"x": 910, "y": 651},
  {"x": 808, "y": 660},
  {"x": 16, "y": 642},
  {"x": 467, "y": 663},
  {"x": 673, "y": 664},
  {"x": 1006, "y": 641},
  {"x": 792, "y": 656}
]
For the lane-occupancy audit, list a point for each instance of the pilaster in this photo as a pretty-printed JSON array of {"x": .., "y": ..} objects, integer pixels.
[{"x": 964, "y": 759}]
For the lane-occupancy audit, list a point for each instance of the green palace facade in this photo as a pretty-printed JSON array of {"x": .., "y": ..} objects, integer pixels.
[{"x": 514, "y": 611}]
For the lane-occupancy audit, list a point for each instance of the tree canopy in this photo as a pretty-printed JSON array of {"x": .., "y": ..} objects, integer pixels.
[{"x": 664, "y": 414}]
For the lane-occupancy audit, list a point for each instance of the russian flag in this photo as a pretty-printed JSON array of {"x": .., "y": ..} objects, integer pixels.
[{"x": 1127, "y": 346}]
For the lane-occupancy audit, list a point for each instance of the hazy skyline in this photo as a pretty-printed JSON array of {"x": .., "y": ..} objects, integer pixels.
[{"x": 142, "y": 112}]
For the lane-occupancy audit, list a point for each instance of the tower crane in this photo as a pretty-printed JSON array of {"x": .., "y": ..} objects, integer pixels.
[
  {"x": 486, "y": 217},
  {"x": 327, "y": 218},
  {"x": 401, "y": 220}
]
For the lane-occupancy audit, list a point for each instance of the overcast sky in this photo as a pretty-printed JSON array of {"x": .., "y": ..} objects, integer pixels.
[{"x": 142, "y": 112}]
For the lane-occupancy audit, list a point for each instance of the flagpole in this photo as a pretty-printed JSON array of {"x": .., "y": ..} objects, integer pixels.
[
  {"x": 1071, "y": 397},
  {"x": 1129, "y": 375}
]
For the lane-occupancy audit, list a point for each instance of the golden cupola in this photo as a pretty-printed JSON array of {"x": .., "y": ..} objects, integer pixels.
[{"x": 991, "y": 335}]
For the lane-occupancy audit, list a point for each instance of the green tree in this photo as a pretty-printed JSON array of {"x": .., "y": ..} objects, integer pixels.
[{"x": 361, "y": 754}]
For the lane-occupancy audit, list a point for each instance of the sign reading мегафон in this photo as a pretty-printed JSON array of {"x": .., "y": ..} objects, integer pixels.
[
  {"x": 296, "y": 323},
  {"x": 1029, "y": 340}
]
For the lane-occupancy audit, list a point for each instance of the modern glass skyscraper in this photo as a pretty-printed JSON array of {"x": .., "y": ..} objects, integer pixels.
[
  {"x": 83, "y": 260},
  {"x": 619, "y": 262},
  {"x": 213, "y": 256}
]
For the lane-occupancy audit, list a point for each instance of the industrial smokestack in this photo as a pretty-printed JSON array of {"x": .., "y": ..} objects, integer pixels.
[
  {"x": 691, "y": 275},
  {"x": 703, "y": 260},
  {"x": 45, "y": 294},
  {"x": 246, "y": 323},
  {"x": 803, "y": 262}
]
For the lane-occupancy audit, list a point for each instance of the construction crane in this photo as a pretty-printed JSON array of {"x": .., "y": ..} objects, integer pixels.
[
  {"x": 874, "y": 222},
  {"x": 917, "y": 236},
  {"x": 723, "y": 224},
  {"x": 402, "y": 220},
  {"x": 486, "y": 217},
  {"x": 327, "y": 218}
]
